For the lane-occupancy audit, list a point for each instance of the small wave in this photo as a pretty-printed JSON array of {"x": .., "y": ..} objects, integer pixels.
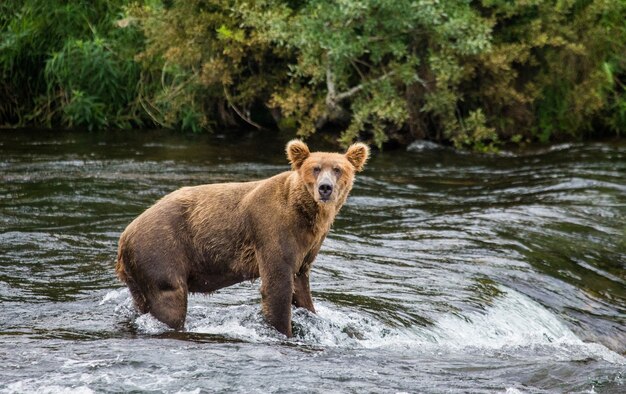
[
  {"x": 563, "y": 146},
  {"x": 71, "y": 363},
  {"x": 33, "y": 386},
  {"x": 115, "y": 296},
  {"x": 330, "y": 327},
  {"x": 422, "y": 145},
  {"x": 147, "y": 324},
  {"x": 237, "y": 322},
  {"x": 123, "y": 302},
  {"x": 164, "y": 145},
  {"x": 513, "y": 320},
  {"x": 540, "y": 150},
  {"x": 57, "y": 382},
  {"x": 514, "y": 324}
]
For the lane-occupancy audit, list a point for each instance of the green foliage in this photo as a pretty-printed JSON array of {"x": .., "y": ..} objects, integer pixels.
[
  {"x": 84, "y": 110},
  {"x": 474, "y": 74},
  {"x": 55, "y": 53},
  {"x": 93, "y": 82},
  {"x": 203, "y": 66},
  {"x": 357, "y": 59},
  {"x": 550, "y": 72},
  {"x": 472, "y": 132}
]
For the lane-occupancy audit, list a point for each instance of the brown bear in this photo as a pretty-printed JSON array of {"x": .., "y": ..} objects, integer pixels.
[{"x": 203, "y": 238}]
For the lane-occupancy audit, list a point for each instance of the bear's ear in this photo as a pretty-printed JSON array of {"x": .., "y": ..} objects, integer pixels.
[
  {"x": 357, "y": 154},
  {"x": 297, "y": 152}
]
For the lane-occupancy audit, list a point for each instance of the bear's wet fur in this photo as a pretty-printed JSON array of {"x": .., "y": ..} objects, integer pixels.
[{"x": 203, "y": 238}]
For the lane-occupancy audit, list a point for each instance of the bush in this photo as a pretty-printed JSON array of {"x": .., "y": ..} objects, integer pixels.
[
  {"x": 93, "y": 84},
  {"x": 203, "y": 67},
  {"x": 56, "y": 54},
  {"x": 473, "y": 74}
]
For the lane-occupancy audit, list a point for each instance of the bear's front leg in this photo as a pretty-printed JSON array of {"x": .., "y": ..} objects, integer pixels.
[
  {"x": 302, "y": 292},
  {"x": 276, "y": 295}
]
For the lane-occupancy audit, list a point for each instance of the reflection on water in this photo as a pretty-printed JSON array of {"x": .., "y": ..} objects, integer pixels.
[{"x": 444, "y": 272}]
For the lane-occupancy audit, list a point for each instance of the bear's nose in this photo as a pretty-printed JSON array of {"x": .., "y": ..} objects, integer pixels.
[{"x": 325, "y": 190}]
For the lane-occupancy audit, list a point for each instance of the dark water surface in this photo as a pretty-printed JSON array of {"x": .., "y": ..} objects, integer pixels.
[{"x": 443, "y": 273}]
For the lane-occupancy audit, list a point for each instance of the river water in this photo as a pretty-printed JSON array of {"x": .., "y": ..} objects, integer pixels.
[{"x": 444, "y": 272}]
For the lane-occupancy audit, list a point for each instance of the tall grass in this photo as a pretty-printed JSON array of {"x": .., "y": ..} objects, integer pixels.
[{"x": 68, "y": 63}]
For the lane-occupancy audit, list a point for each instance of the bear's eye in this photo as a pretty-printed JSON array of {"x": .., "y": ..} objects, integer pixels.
[
  {"x": 316, "y": 170},
  {"x": 337, "y": 171}
]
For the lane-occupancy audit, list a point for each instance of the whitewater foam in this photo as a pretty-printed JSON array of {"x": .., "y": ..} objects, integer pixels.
[
  {"x": 513, "y": 324},
  {"x": 516, "y": 322}
]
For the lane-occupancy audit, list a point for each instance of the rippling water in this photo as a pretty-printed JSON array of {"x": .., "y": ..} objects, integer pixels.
[{"x": 444, "y": 272}]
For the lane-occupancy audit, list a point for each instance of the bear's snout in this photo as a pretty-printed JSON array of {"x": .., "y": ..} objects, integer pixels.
[{"x": 325, "y": 190}]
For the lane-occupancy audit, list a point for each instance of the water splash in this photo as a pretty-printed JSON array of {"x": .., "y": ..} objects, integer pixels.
[
  {"x": 514, "y": 324},
  {"x": 25, "y": 386}
]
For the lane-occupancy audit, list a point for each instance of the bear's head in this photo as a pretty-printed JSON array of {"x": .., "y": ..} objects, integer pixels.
[{"x": 328, "y": 177}]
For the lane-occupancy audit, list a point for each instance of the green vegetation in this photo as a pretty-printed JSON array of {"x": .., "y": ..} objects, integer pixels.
[
  {"x": 476, "y": 74},
  {"x": 67, "y": 63}
]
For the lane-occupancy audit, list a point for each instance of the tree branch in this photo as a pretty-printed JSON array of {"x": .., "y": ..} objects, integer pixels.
[
  {"x": 330, "y": 86},
  {"x": 335, "y": 97},
  {"x": 238, "y": 112}
]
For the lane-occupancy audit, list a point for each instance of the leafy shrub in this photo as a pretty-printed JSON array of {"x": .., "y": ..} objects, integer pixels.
[
  {"x": 473, "y": 74},
  {"x": 84, "y": 110},
  {"x": 55, "y": 53},
  {"x": 92, "y": 82},
  {"x": 202, "y": 66}
]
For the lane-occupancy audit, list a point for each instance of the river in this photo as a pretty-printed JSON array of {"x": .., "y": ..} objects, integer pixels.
[{"x": 444, "y": 272}]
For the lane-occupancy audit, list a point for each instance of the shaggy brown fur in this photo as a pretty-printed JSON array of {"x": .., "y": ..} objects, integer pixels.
[{"x": 204, "y": 238}]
